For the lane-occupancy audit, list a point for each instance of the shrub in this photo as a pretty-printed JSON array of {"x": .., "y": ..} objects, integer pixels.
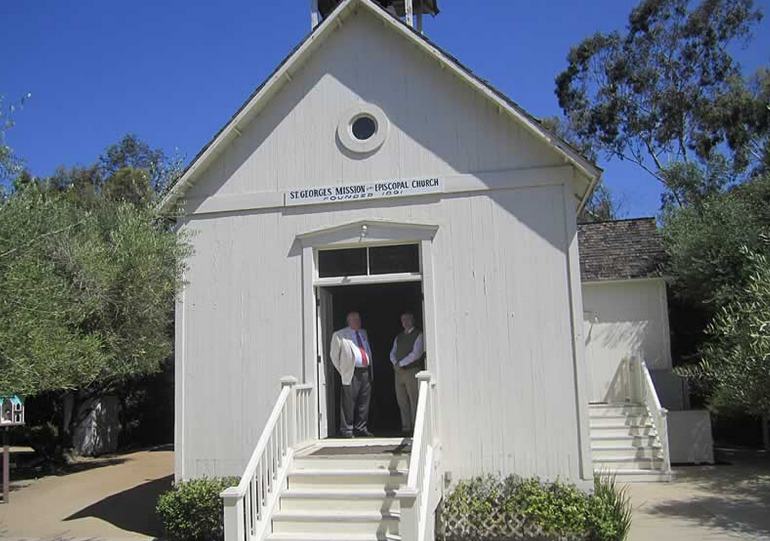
[
  {"x": 493, "y": 509},
  {"x": 192, "y": 510}
]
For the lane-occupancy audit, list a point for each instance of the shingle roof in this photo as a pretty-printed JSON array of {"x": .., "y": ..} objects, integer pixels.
[{"x": 620, "y": 250}]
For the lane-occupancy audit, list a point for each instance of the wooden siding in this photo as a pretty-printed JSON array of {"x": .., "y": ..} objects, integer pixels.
[
  {"x": 504, "y": 257},
  {"x": 624, "y": 319},
  {"x": 506, "y": 385},
  {"x": 438, "y": 125}
]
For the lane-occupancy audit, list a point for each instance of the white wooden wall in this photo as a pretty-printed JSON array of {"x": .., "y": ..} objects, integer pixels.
[
  {"x": 623, "y": 319},
  {"x": 506, "y": 369}
]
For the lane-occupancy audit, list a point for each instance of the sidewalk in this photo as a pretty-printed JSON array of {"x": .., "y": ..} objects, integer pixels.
[
  {"x": 106, "y": 498},
  {"x": 722, "y": 502}
]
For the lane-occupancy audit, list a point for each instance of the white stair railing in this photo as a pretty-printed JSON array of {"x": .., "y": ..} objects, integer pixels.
[
  {"x": 248, "y": 506},
  {"x": 422, "y": 492},
  {"x": 643, "y": 392}
]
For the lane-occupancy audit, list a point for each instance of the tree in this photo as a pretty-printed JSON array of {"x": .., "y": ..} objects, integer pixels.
[
  {"x": 705, "y": 243},
  {"x": 85, "y": 296},
  {"x": 88, "y": 274},
  {"x": 667, "y": 90},
  {"x": 10, "y": 165},
  {"x": 735, "y": 361}
]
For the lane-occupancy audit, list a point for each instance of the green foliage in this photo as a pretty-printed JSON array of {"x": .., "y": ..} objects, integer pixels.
[
  {"x": 609, "y": 511},
  {"x": 192, "y": 510},
  {"x": 488, "y": 508},
  {"x": 86, "y": 290},
  {"x": 667, "y": 89},
  {"x": 705, "y": 242},
  {"x": 735, "y": 361}
]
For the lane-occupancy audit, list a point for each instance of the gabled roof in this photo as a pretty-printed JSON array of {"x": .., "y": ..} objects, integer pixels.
[
  {"x": 620, "y": 250},
  {"x": 283, "y": 73}
]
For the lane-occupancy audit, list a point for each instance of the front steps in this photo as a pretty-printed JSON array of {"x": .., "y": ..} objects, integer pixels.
[
  {"x": 624, "y": 442},
  {"x": 338, "y": 490}
]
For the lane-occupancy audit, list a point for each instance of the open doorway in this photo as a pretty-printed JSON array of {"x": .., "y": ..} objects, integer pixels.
[{"x": 380, "y": 306}]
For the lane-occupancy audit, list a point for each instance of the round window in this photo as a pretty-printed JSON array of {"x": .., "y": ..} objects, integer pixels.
[{"x": 364, "y": 127}]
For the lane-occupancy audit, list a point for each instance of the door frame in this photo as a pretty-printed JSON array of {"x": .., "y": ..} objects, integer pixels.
[{"x": 358, "y": 235}]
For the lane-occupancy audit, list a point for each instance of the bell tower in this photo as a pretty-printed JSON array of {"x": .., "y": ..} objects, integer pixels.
[{"x": 410, "y": 11}]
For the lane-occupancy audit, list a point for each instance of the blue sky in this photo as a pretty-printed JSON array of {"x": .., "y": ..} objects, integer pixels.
[{"x": 174, "y": 71}]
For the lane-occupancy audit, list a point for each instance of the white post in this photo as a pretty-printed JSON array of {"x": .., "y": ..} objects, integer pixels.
[
  {"x": 315, "y": 14},
  {"x": 409, "y": 13},
  {"x": 410, "y": 517},
  {"x": 234, "y": 519},
  {"x": 291, "y": 407}
]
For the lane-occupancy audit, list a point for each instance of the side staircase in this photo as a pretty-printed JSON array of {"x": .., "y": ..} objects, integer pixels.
[
  {"x": 630, "y": 439},
  {"x": 624, "y": 442},
  {"x": 336, "y": 492}
]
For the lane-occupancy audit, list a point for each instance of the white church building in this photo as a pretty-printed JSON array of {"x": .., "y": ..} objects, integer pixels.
[{"x": 373, "y": 172}]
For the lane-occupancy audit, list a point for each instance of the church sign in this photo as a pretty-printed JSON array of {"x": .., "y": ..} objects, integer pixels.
[{"x": 357, "y": 192}]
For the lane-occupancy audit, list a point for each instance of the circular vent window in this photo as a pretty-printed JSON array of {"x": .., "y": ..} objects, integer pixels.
[{"x": 363, "y": 128}]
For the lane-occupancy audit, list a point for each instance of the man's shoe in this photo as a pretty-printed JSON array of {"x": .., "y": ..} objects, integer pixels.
[
  {"x": 346, "y": 436},
  {"x": 363, "y": 434}
]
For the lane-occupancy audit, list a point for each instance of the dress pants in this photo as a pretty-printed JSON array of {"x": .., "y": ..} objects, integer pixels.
[
  {"x": 407, "y": 392},
  {"x": 354, "y": 403}
]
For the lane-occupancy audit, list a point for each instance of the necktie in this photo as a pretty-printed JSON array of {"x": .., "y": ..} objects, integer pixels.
[{"x": 364, "y": 358}]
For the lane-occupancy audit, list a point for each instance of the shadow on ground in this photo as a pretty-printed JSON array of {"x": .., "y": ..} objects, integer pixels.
[
  {"x": 132, "y": 510},
  {"x": 734, "y": 497}
]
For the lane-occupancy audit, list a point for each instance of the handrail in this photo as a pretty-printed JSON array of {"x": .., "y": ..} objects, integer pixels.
[
  {"x": 247, "y": 507},
  {"x": 645, "y": 394},
  {"x": 416, "y": 512}
]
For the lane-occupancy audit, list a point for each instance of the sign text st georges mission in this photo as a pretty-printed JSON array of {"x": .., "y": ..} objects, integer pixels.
[{"x": 357, "y": 192}]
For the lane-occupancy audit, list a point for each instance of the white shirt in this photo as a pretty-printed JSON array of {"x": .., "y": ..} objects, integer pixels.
[{"x": 416, "y": 353}]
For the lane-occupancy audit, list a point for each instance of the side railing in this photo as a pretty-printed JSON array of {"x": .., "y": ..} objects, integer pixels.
[
  {"x": 248, "y": 506},
  {"x": 422, "y": 492},
  {"x": 643, "y": 392}
]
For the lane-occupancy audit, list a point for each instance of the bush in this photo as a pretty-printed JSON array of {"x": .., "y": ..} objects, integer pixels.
[
  {"x": 192, "y": 510},
  {"x": 492, "y": 509}
]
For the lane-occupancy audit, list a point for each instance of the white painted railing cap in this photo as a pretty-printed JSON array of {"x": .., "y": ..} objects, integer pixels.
[
  {"x": 424, "y": 376},
  {"x": 289, "y": 381},
  {"x": 231, "y": 495}
]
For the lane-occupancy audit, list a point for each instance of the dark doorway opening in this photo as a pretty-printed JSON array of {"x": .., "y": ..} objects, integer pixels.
[{"x": 380, "y": 306}]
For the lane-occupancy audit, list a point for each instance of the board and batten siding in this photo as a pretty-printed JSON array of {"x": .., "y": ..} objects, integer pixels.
[
  {"x": 508, "y": 359},
  {"x": 624, "y": 319},
  {"x": 438, "y": 125},
  {"x": 505, "y": 369}
]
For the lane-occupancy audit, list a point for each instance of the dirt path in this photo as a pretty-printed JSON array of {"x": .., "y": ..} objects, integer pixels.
[{"x": 109, "y": 498}]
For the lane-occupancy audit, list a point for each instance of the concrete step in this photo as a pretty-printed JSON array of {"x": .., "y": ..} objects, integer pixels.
[
  {"x": 602, "y": 439},
  {"x": 332, "y": 537},
  {"x": 639, "y": 476},
  {"x": 614, "y": 463},
  {"x": 331, "y": 499},
  {"x": 620, "y": 420},
  {"x": 350, "y": 522},
  {"x": 627, "y": 452},
  {"x": 346, "y": 478},
  {"x": 604, "y": 410},
  {"x": 352, "y": 461},
  {"x": 623, "y": 430}
]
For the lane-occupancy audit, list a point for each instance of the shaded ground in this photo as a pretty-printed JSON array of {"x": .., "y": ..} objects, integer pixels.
[
  {"x": 727, "y": 501},
  {"x": 110, "y": 498}
]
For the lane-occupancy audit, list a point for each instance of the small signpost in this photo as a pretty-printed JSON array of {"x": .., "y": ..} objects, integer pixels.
[{"x": 11, "y": 414}]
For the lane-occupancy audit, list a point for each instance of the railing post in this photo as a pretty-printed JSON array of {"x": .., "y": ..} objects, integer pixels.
[
  {"x": 291, "y": 407},
  {"x": 234, "y": 519}
]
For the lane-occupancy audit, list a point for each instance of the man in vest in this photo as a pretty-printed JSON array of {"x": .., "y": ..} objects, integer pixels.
[
  {"x": 352, "y": 357},
  {"x": 408, "y": 358}
]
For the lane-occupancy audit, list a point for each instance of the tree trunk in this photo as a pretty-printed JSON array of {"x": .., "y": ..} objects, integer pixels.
[{"x": 97, "y": 426}]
